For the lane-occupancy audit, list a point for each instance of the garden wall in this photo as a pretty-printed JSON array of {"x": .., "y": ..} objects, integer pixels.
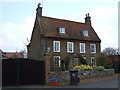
[{"x": 65, "y": 75}]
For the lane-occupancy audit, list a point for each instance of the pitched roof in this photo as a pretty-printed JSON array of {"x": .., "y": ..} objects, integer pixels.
[
  {"x": 14, "y": 55},
  {"x": 73, "y": 29}
]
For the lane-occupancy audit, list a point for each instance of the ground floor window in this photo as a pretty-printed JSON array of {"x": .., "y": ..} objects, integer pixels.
[
  {"x": 57, "y": 61},
  {"x": 93, "y": 61}
]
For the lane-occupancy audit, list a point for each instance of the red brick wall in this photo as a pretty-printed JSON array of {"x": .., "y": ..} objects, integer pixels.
[
  {"x": 113, "y": 58},
  {"x": 47, "y": 67}
]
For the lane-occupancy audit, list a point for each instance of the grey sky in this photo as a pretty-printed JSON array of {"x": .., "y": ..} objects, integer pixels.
[{"x": 17, "y": 19}]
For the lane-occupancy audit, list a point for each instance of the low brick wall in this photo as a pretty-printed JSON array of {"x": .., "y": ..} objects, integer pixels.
[{"x": 65, "y": 75}]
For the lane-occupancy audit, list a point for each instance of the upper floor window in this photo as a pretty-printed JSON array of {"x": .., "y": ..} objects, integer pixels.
[
  {"x": 82, "y": 47},
  {"x": 70, "y": 47},
  {"x": 61, "y": 30},
  {"x": 56, "y": 46},
  {"x": 85, "y": 33},
  {"x": 93, "y": 48}
]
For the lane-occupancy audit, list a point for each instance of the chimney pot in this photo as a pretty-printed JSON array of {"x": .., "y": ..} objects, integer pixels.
[
  {"x": 39, "y": 10},
  {"x": 88, "y": 14},
  {"x": 88, "y": 19}
]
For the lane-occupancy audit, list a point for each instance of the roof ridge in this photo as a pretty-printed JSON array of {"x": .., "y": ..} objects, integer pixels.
[{"x": 63, "y": 20}]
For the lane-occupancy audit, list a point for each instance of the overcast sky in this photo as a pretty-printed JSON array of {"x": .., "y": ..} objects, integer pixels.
[{"x": 17, "y": 19}]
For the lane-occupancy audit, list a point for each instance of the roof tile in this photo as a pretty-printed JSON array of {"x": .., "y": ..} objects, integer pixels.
[{"x": 73, "y": 29}]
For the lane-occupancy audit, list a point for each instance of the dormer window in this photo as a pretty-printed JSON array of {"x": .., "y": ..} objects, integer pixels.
[
  {"x": 85, "y": 33},
  {"x": 61, "y": 30}
]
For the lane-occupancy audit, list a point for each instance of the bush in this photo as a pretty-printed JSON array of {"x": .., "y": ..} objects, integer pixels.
[
  {"x": 101, "y": 60},
  {"x": 99, "y": 68},
  {"x": 87, "y": 67},
  {"x": 108, "y": 66},
  {"x": 83, "y": 67},
  {"x": 82, "y": 60}
]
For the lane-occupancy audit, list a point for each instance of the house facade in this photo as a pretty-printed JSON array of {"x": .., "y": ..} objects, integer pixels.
[{"x": 64, "y": 40}]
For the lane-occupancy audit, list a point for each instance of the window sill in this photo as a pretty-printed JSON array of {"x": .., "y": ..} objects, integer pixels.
[
  {"x": 93, "y": 52},
  {"x": 82, "y": 52},
  {"x": 70, "y": 52},
  {"x": 56, "y": 52}
]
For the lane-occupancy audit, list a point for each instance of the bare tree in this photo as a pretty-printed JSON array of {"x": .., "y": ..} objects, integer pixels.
[
  {"x": 118, "y": 51},
  {"x": 111, "y": 51},
  {"x": 24, "y": 53},
  {"x": 26, "y": 42},
  {"x": 25, "y": 47}
]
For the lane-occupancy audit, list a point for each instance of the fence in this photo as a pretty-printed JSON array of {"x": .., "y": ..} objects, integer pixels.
[{"x": 23, "y": 72}]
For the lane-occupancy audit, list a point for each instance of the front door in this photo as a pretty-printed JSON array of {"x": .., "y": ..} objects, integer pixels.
[{"x": 93, "y": 61}]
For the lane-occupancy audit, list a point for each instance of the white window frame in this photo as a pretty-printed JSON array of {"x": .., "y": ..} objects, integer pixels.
[
  {"x": 72, "y": 47},
  {"x": 85, "y": 33},
  {"x": 93, "y": 51},
  {"x": 55, "y": 47},
  {"x": 61, "y": 30},
  {"x": 59, "y": 62},
  {"x": 83, "y": 48},
  {"x": 93, "y": 58}
]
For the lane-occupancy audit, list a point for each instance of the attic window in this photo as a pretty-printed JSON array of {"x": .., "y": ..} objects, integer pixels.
[
  {"x": 61, "y": 30},
  {"x": 85, "y": 33}
]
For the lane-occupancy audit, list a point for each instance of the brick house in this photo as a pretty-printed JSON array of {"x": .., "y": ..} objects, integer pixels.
[
  {"x": 64, "y": 40},
  {"x": 14, "y": 54},
  {"x": 6, "y": 55}
]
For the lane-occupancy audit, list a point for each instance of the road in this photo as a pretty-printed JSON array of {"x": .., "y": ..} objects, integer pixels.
[{"x": 110, "y": 83}]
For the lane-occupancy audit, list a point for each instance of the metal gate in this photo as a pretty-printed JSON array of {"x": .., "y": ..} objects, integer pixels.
[{"x": 23, "y": 72}]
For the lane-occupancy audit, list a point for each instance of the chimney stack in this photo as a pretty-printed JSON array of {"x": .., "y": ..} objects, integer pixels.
[
  {"x": 39, "y": 10},
  {"x": 88, "y": 19}
]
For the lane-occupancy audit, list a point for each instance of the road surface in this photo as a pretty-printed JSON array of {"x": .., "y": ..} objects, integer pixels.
[{"x": 110, "y": 83}]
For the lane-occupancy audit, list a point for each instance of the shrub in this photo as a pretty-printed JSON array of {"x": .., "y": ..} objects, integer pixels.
[
  {"x": 87, "y": 67},
  {"x": 101, "y": 60},
  {"x": 108, "y": 66},
  {"x": 83, "y": 67},
  {"x": 66, "y": 61},
  {"x": 82, "y": 60},
  {"x": 99, "y": 68}
]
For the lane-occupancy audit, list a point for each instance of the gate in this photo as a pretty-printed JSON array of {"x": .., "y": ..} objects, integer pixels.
[
  {"x": 23, "y": 72},
  {"x": 116, "y": 66}
]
